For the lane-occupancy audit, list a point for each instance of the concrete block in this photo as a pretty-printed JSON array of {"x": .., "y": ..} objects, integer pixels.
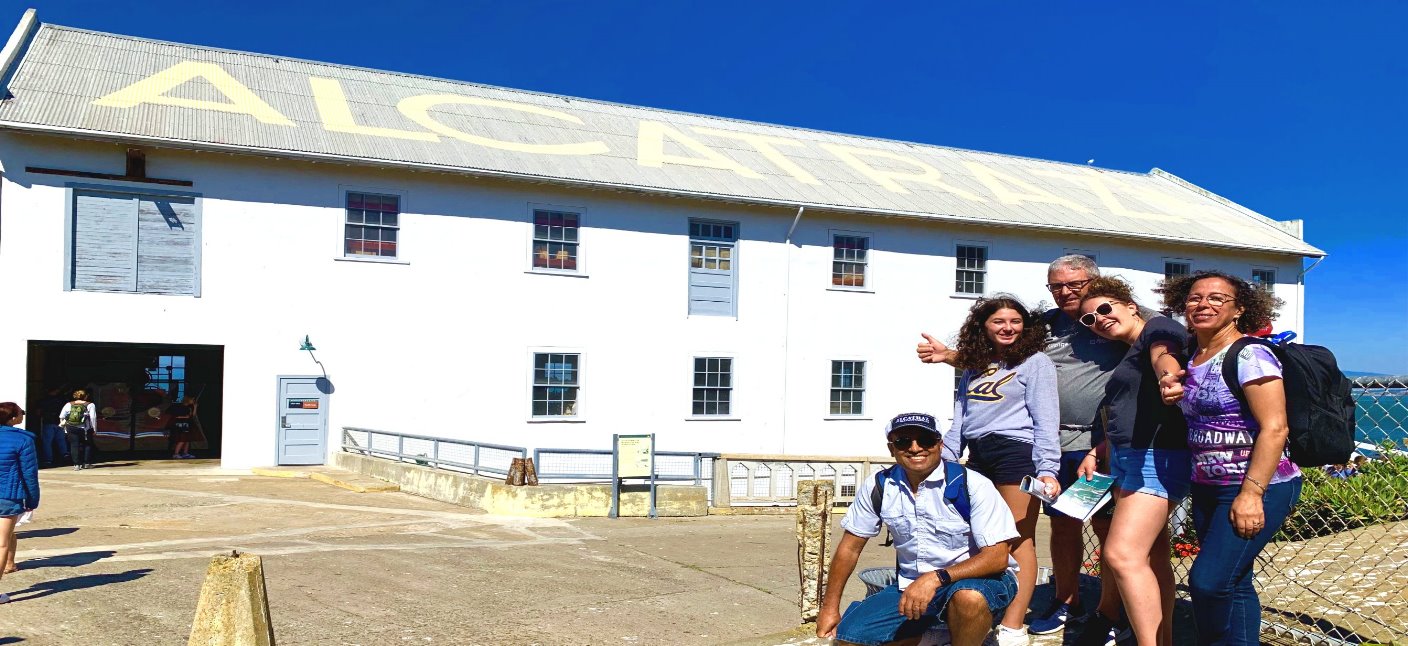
[
  {"x": 353, "y": 485},
  {"x": 234, "y": 608},
  {"x": 278, "y": 472}
]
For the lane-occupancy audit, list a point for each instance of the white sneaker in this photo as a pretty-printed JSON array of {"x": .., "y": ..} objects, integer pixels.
[{"x": 1011, "y": 637}]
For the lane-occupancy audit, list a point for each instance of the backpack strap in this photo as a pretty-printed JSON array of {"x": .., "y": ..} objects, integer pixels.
[
  {"x": 956, "y": 490},
  {"x": 1229, "y": 366},
  {"x": 877, "y": 500}
]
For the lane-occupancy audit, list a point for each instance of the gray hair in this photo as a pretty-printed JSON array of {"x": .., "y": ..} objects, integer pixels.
[{"x": 1076, "y": 261}]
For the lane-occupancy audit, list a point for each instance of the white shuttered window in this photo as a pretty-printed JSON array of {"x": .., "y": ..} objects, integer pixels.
[{"x": 127, "y": 242}]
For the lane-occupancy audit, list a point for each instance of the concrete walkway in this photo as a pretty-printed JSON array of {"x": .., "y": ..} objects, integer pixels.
[{"x": 116, "y": 555}]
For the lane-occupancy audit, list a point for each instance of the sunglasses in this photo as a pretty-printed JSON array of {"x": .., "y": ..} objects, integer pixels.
[
  {"x": 925, "y": 442},
  {"x": 1104, "y": 309}
]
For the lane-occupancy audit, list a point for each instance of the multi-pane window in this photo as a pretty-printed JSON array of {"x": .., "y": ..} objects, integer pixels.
[
  {"x": 711, "y": 267},
  {"x": 847, "y": 387},
  {"x": 1265, "y": 279},
  {"x": 556, "y": 379},
  {"x": 972, "y": 269},
  {"x": 713, "y": 386},
  {"x": 850, "y": 255},
  {"x": 168, "y": 376},
  {"x": 1176, "y": 268},
  {"x": 373, "y": 225},
  {"x": 555, "y": 239}
]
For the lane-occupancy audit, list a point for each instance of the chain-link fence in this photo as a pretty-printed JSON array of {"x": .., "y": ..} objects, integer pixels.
[{"x": 1337, "y": 571}]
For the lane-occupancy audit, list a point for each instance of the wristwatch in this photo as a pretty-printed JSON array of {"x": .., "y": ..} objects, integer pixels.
[{"x": 944, "y": 577}]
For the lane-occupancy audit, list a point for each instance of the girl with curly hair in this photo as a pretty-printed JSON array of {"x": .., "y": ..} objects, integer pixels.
[
  {"x": 1007, "y": 414},
  {"x": 1147, "y": 443},
  {"x": 1244, "y": 486}
]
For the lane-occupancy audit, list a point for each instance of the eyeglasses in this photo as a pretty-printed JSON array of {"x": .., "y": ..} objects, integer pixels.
[
  {"x": 1214, "y": 300},
  {"x": 925, "y": 442},
  {"x": 1104, "y": 309},
  {"x": 1075, "y": 286}
]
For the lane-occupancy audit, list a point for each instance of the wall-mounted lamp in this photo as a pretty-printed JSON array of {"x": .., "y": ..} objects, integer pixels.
[{"x": 308, "y": 345}]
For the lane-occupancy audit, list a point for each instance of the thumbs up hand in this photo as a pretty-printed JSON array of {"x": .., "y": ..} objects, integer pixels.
[{"x": 933, "y": 351}]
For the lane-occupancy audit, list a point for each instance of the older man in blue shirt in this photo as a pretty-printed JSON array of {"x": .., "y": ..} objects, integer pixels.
[{"x": 952, "y": 551}]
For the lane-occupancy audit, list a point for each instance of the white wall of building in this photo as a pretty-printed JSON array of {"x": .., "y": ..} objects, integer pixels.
[{"x": 439, "y": 344}]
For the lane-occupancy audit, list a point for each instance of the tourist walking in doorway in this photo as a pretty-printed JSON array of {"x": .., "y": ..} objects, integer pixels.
[
  {"x": 51, "y": 443},
  {"x": 183, "y": 419},
  {"x": 80, "y": 421},
  {"x": 1244, "y": 486},
  {"x": 1148, "y": 456},
  {"x": 1007, "y": 414},
  {"x": 19, "y": 481}
]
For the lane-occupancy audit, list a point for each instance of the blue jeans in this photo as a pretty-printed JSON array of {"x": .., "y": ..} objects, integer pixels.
[
  {"x": 877, "y": 619},
  {"x": 1158, "y": 472},
  {"x": 1226, "y": 609},
  {"x": 52, "y": 444}
]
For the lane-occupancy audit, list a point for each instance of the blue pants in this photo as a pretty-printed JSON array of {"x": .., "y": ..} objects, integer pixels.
[
  {"x": 1226, "y": 609},
  {"x": 52, "y": 444},
  {"x": 877, "y": 619}
]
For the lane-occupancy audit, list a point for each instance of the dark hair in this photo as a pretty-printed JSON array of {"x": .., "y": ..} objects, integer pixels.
[
  {"x": 1111, "y": 287},
  {"x": 974, "y": 350},
  {"x": 9, "y": 411},
  {"x": 1258, "y": 305},
  {"x": 80, "y": 394}
]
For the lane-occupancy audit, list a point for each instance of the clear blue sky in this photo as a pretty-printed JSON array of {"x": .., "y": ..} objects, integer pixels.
[{"x": 1294, "y": 109}]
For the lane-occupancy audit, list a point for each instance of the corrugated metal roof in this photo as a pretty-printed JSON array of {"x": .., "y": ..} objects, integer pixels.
[{"x": 126, "y": 88}]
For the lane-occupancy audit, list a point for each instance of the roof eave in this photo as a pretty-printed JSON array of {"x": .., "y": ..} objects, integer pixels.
[{"x": 1307, "y": 252}]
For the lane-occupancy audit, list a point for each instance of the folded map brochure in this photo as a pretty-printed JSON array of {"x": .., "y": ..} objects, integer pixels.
[{"x": 1080, "y": 500}]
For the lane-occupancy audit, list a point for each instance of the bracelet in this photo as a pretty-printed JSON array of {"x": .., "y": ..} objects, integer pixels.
[{"x": 1258, "y": 484}]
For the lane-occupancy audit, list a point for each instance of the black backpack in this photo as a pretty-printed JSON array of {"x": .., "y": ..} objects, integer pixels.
[{"x": 1319, "y": 407}]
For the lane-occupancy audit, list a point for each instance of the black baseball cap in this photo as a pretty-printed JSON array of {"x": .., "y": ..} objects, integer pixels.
[{"x": 921, "y": 421}]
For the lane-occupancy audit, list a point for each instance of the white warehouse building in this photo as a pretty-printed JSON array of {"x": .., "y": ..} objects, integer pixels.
[{"x": 515, "y": 267}]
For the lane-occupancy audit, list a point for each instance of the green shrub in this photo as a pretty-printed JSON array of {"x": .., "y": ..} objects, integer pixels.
[{"x": 1378, "y": 494}]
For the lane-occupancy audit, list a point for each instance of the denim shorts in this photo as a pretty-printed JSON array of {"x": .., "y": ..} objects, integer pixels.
[
  {"x": 1070, "y": 462},
  {"x": 1166, "y": 473},
  {"x": 877, "y": 619},
  {"x": 1001, "y": 459}
]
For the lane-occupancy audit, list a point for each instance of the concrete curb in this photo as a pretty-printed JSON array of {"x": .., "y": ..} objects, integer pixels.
[
  {"x": 270, "y": 472},
  {"x": 382, "y": 487}
]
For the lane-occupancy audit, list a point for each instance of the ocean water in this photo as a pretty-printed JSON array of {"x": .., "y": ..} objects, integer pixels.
[{"x": 1382, "y": 416}]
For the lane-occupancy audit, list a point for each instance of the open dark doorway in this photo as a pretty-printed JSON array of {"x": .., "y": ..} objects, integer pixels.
[{"x": 132, "y": 385}]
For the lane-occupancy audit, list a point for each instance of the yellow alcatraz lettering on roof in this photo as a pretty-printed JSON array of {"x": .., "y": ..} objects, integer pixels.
[{"x": 892, "y": 171}]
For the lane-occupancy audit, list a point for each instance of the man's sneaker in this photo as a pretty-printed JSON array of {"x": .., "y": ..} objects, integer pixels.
[
  {"x": 937, "y": 636},
  {"x": 1096, "y": 630},
  {"x": 1011, "y": 636},
  {"x": 1054, "y": 619}
]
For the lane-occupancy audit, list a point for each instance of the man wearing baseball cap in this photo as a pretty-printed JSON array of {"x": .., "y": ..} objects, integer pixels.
[{"x": 951, "y": 531}]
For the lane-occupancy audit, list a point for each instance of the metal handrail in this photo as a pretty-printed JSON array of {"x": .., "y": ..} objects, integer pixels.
[
  {"x": 431, "y": 459},
  {"x": 697, "y": 476}
]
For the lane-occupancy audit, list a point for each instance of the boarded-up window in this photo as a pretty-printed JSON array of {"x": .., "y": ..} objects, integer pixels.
[{"x": 125, "y": 242}]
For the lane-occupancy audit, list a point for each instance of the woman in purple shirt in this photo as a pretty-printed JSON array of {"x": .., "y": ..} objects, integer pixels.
[{"x": 1243, "y": 484}]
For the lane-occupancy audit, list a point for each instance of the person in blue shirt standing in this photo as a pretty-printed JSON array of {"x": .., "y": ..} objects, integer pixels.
[
  {"x": 952, "y": 534},
  {"x": 19, "y": 478}
]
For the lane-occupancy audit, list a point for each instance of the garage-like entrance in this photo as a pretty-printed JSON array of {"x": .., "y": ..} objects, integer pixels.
[{"x": 132, "y": 386}]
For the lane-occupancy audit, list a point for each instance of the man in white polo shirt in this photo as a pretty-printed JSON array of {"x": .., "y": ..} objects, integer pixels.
[{"x": 951, "y": 531}]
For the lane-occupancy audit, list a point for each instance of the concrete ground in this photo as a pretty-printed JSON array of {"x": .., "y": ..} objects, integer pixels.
[{"x": 116, "y": 555}]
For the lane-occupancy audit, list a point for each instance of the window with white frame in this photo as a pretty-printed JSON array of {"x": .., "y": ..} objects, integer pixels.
[
  {"x": 373, "y": 225},
  {"x": 556, "y": 380},
  {"x": 713, "y": 386},
  {"x": 850, "y": 258},
  {"x": 712, "y": 265},
  {"x": 1174, "y": 268},
  {"x": 847, "y": 387},
  {"x": 1265, "y": 279},
  {"x": 555, "y": 239},
  {"x": 972, "y": 269}
]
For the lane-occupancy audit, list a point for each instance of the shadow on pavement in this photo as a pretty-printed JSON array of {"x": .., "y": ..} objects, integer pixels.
[
  {"x": 46, "y": 588},
  {"x": 11, "y": 640},
  {"x": 44, "y": 533},
  {"x": 77, "y": 559}
]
